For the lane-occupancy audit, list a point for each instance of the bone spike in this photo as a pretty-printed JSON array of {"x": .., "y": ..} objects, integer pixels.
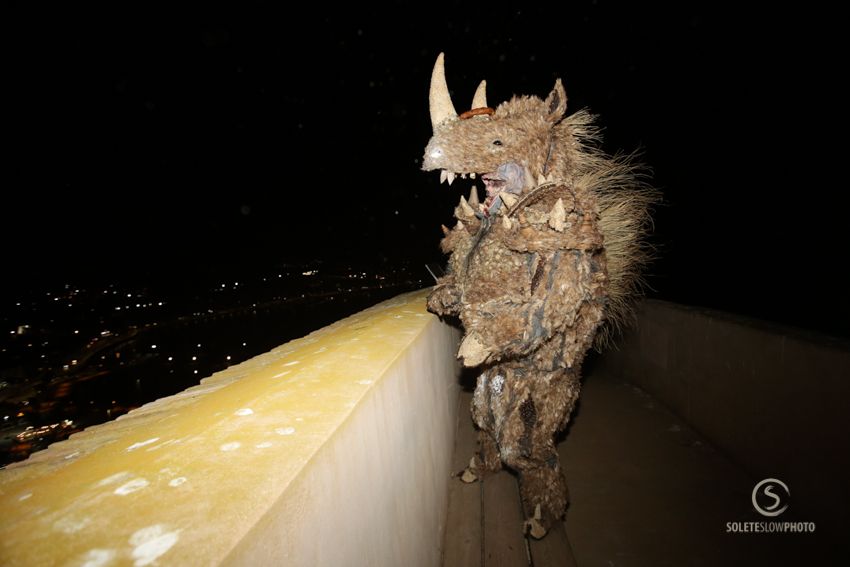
[
  {"x": 558, "y": 216},
  {"x": 509, "y": 199},
  {"x": 451, "y": 177},
  {"x": 443, "y": 175},
  {"x": 506, "y": 222},
  {"x": 459, "y": 225},
  {"x": 472, "y": 351},
  {"x": 541, "y": 179},
  {"x": 440, "y": 101},
  {"x": 473, "y": 197},
  {"x": 445, "y": 229},
  {"x": 479, "y": 100}
]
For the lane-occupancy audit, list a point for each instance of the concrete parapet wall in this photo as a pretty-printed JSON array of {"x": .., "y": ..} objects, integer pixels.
[
  {"x": 333, "y": 449},
  {"x": 776, "y": 400}
]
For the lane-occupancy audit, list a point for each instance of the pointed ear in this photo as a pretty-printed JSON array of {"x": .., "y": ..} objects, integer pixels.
[{"x": 556, "y": 102}]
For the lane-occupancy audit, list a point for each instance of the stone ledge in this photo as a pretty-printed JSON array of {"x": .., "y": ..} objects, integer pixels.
[{"x": 266, "y": 460}]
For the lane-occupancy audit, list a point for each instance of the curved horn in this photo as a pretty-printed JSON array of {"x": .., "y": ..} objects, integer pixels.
[
  {"x": 480, "y": 98},
  {"x": 439, "y": 98}
]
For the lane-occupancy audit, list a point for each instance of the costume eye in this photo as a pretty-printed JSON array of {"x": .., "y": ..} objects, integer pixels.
[{"x": 497, "y": 142}]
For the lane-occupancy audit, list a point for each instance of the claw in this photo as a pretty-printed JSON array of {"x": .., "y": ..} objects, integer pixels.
[
  {"x": 533, "y": 526},
  {"x": 468, "y": 476}
]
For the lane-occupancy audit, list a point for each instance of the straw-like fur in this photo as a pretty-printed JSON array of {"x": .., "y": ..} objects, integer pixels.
[{"x": 534, "y": 272}]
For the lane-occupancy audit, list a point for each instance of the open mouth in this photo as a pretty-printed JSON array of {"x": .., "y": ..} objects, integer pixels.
[{"x": 493, "y": 184}]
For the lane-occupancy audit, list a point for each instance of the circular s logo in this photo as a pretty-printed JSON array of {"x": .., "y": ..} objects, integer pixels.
[{"x": 770, "y": 497}]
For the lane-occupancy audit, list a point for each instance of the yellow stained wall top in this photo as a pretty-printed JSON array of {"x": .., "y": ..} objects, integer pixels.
[{"x": 183, "y": 478}]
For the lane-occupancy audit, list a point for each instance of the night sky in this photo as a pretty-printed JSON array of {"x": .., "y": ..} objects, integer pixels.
[{"x": 161, "y": 143}]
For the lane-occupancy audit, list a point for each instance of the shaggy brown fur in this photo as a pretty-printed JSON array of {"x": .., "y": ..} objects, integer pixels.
[{"x": 555, "y": 250}]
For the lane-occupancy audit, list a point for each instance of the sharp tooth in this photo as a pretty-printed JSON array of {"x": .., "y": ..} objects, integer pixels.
[
  {"x": 473, "y": 197},
  {"x": 445, "y": 229},
  {"x": 558, "y": 216},
  {"x": 541, "y": 179},
  {"x": 451, "y": 176},
  {"x": 443, "y": 175},
  {"x": 472, "y": 175},
  {"x": 463, "y": 209},
  {"x": 463, "y": 176},
  {"x": 508, "y": 199}
]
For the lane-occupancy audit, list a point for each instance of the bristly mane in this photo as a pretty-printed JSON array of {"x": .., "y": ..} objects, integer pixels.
[{"x": 625, "y": 201}]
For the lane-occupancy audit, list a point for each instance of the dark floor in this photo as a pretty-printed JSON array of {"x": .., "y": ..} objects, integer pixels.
[{"x": 645, "y": 490}]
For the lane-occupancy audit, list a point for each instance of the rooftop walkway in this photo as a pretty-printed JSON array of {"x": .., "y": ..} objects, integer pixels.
[{"x": 646, "y": 490}]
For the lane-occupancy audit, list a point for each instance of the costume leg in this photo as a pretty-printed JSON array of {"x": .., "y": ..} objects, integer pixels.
[
  {"x": 540, "y": 406},
  {"x": 486, "y": 460}
]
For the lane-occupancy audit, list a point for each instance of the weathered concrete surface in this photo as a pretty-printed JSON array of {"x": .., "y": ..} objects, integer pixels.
[
  {"x": 774, "y": 400},
  {"x": 333, "y": 449},
  {"x": 647, "y": 490}
]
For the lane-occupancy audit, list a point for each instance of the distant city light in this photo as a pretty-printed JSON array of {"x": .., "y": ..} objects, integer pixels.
[
  {"x": 153, "y": 346},
  {"x": 199, "y": 345},
  {"x": 170, "y": 358},
  {"x": 228, "y": 357}
]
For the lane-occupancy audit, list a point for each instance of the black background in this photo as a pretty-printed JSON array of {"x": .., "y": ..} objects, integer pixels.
[{"x": 154, "y": 141}]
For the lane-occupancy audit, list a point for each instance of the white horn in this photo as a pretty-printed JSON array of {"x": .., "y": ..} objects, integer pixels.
[
  {"x": 439, "y": 98},
  {"x": 480, "y": 98}
]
